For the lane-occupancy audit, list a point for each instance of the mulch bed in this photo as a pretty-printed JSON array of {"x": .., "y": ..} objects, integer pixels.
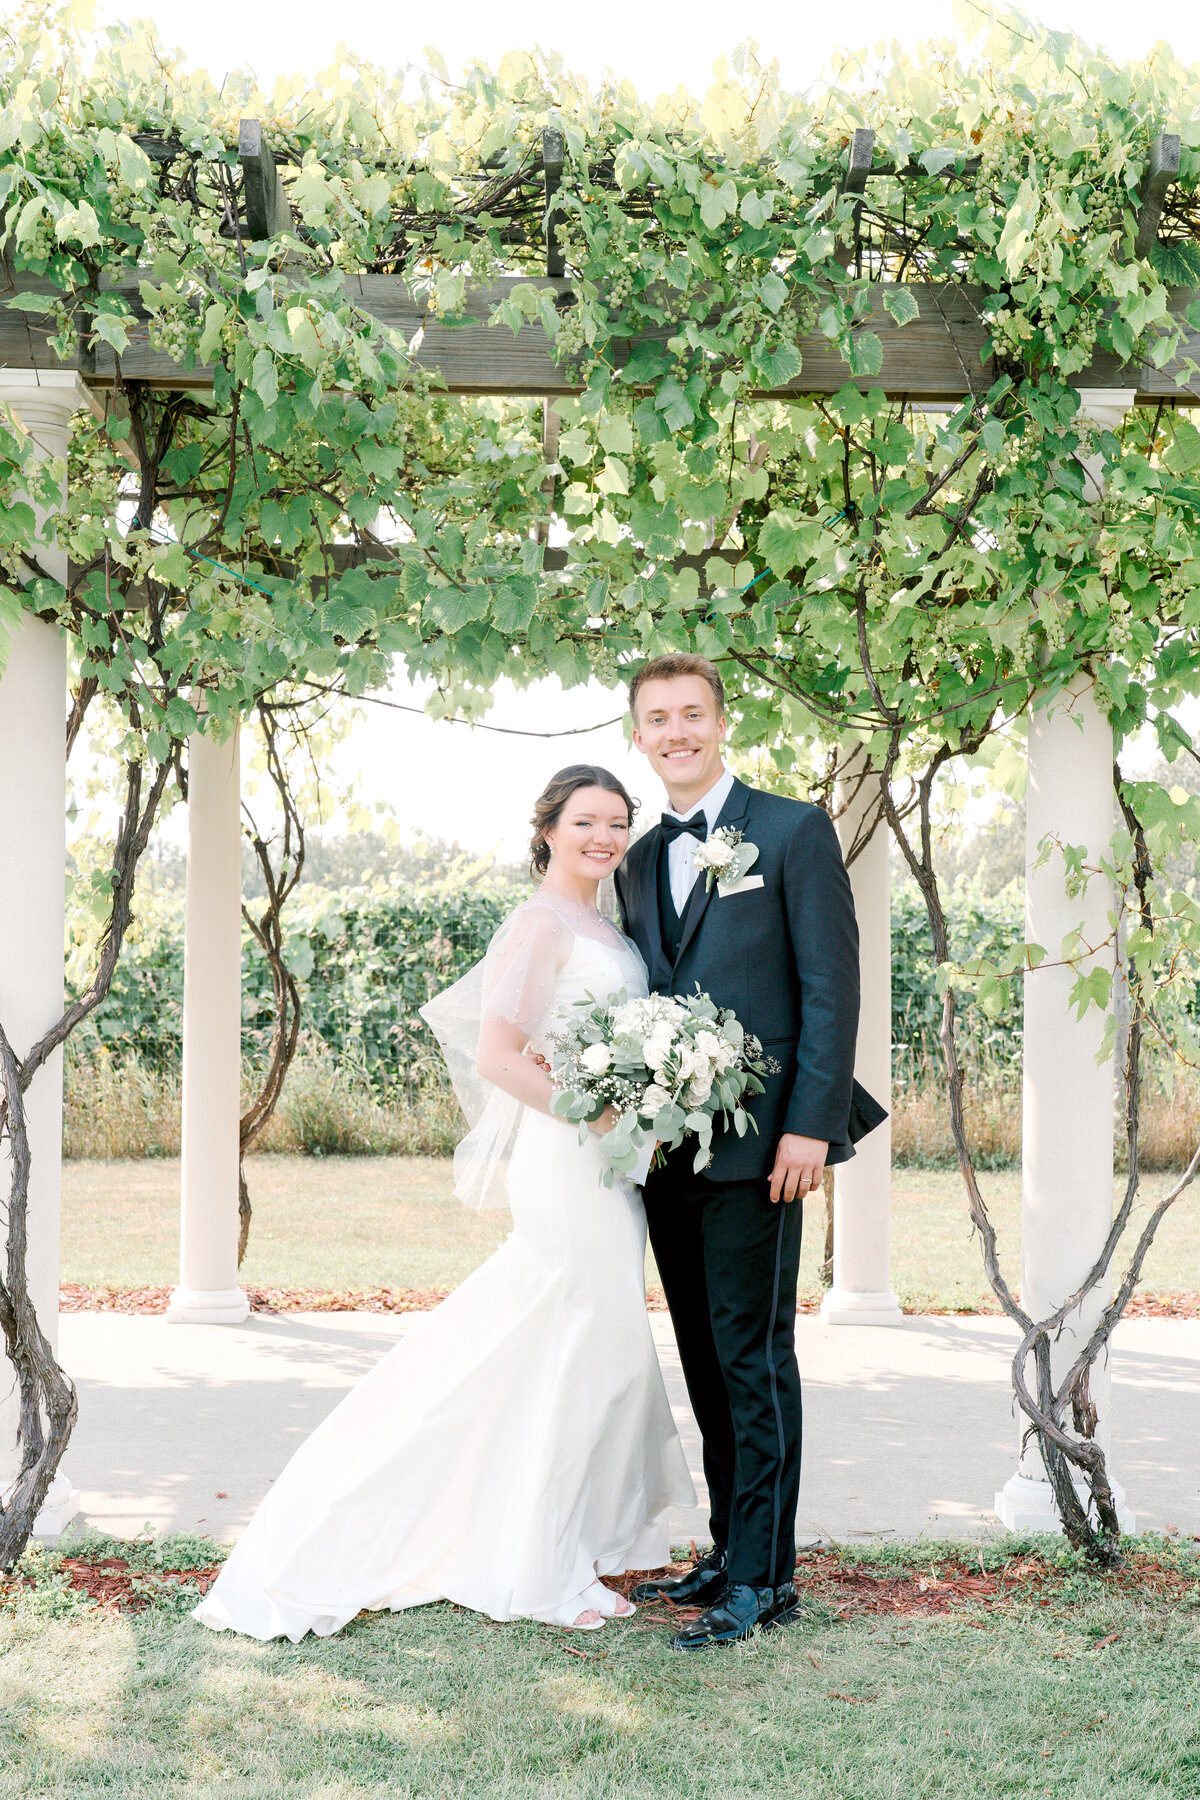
[
  {"x": 847, "y": 1591},
  {"x": 843, "y": 1592},
  {"x": 115, "y": 1586},
  {"x": 838, "y": 1591},
  {"x": 1164, "y": 1306},
  {"x": 74, "y": 1297}
]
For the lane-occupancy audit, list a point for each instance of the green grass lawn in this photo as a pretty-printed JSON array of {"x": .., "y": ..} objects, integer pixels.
[
  {"x": 1090, "y": 1695},
  {"x": 376, "y": 1221},
  {"x": 319, "y": 1222}
]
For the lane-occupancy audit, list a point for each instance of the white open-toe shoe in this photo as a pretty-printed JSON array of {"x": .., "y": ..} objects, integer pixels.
[
  {"x": 605, "y": 1601},
  {"x": 571, "y": 1611}
]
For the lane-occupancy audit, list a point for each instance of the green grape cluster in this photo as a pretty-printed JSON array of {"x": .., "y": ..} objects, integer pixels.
[
  {"x": 41, "y": 243},
  {"x": 356, "y": 246},
  {"x": 1010, "y": 536},
  {"x": 484, "y": 265},
  {"x": 619, "y": 288},
  {"x": 570, "y": 336},
  {"x": 173, "y": 330},
  {"x": 878, "y": 585},
  {"x": 1177, "y": 585},
  {"x": 1011, "y": 329},
  {"x": 88, "y": 521},
  {"x": 1118, "y": 635},
  {"x": 1054, "y": 631}
]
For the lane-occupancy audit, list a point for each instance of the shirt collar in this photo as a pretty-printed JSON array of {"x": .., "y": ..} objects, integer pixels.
[{"x": 711, "y": 804}]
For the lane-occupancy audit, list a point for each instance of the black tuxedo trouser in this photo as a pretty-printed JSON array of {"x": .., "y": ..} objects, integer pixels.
[{"x": 729, "y": 1262}]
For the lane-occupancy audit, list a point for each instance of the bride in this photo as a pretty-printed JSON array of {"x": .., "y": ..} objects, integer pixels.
[{"x": 517, "y": 1444}]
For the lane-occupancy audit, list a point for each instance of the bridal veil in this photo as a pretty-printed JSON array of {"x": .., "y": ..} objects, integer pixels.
[{"x": 515, "y": 983}]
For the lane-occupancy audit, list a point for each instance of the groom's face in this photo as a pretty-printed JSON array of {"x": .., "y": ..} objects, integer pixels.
[{"x": 680, "y": 731}]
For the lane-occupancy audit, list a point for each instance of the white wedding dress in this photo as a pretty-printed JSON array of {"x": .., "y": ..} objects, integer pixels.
[{"x": 517, "y": 1442}]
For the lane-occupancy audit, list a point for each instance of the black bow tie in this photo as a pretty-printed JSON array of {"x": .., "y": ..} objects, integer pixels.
[{"x": 672, "y": 827}]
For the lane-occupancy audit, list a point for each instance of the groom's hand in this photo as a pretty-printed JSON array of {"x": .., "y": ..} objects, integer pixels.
[{"x": 799, "y": 1166}]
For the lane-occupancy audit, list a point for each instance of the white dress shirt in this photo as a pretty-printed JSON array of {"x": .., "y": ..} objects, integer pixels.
[{"x": 681, "y": 867}]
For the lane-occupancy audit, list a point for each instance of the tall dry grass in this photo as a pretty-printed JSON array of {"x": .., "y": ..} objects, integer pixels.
[
  {"x": 118, "y": 1109},
  {"x": 1170, "y": 1120},
  {"x": 921, "y": 1122},
  {"x": 129, "y": 1110}
]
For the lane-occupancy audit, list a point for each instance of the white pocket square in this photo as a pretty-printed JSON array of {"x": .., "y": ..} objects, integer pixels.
[{"x": 725, "y": 888}]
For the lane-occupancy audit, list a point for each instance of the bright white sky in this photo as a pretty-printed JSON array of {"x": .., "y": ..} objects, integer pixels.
[
  {"x": 656, "y": 45},
  {"x": 446, "y": 779}
]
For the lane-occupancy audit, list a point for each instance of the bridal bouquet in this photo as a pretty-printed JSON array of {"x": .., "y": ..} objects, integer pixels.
[{"x": 668, "y": 1064}]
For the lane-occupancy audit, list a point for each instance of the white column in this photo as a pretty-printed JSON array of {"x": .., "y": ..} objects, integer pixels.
[
  {"x": 33, "y": 782},
  {"x": 1067, "y": 1156},
  {"x": 208, "y": 1291},
  {"x": 861, "y": 1293}
]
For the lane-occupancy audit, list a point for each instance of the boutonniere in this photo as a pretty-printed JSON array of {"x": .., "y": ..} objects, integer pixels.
[{"x": 724, "y": 856}]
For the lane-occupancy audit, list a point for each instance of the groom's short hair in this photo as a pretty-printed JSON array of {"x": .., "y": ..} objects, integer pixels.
[{"x": 674, "y": 664}]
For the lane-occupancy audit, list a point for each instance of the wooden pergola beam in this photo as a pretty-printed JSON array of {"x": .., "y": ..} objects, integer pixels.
[
  {"x": 343, "y": 557},
  {"x": 268, "y": 211},
  {"x": 1163, "y": 170},
  {"x": 553, "y": 152},
  {"x": 862, "y": 152},
  {"x": 938, "y": 358}
]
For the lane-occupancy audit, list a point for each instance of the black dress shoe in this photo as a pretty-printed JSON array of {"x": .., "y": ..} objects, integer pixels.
[
  {"x": 739, "y": 1613},
  {"x": 704, "y": 1582}
]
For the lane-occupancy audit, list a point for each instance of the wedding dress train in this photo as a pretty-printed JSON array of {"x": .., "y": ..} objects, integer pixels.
[{"x": 517, "y": 1442}]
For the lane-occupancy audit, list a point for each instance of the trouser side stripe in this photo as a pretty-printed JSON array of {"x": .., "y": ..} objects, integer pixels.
[{"x": 773, "y": 1378}]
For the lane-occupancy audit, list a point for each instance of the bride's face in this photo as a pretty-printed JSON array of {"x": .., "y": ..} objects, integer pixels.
[{"x": 592, "y": 834}]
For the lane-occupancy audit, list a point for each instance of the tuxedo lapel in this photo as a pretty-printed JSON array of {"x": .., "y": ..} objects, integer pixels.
[
  {"x": 658, "y": 960},
  {"x": 700, "y": 899}
]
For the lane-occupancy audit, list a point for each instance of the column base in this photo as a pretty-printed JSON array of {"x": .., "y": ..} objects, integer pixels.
[
  {"x": 1026, "y": 1504},
  {"x": 842, "y": 1306},
  {"x": 207, "y": 1306},
  {"x": 60, "y": 1507}
]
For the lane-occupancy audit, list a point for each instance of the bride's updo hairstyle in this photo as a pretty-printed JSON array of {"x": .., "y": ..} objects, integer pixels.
[{"x": 548, "y": 809}]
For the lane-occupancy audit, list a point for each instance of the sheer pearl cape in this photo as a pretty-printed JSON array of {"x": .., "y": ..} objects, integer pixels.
[{"x": 517, "y": 982}]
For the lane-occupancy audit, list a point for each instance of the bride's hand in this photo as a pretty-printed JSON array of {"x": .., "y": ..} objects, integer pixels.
[{"x": 605, "y": 1122}]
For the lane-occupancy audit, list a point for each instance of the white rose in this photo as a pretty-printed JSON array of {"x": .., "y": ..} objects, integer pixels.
[
  {"x": 653, "y": 1101},
  {"x": 656, "y": 1049},
  {"x": 715, "y": 855},
  {"x": 596, "y": 1058},
  {"x": 699, "y": 1091},
  {"x": 708, "y": 1044}
]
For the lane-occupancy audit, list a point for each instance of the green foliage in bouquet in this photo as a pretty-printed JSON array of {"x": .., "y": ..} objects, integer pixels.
[{"x": 669, "y": 1065}]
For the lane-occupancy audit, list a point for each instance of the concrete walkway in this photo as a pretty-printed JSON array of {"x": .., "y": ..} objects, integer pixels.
[{"x": 907, "y": 1431}]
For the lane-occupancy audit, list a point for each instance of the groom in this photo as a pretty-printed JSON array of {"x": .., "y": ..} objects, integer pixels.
[{"x": 780, "y": 947}]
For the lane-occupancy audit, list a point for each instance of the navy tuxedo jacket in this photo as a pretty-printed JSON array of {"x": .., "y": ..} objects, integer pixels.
[{"x": 784, "y": 956}]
